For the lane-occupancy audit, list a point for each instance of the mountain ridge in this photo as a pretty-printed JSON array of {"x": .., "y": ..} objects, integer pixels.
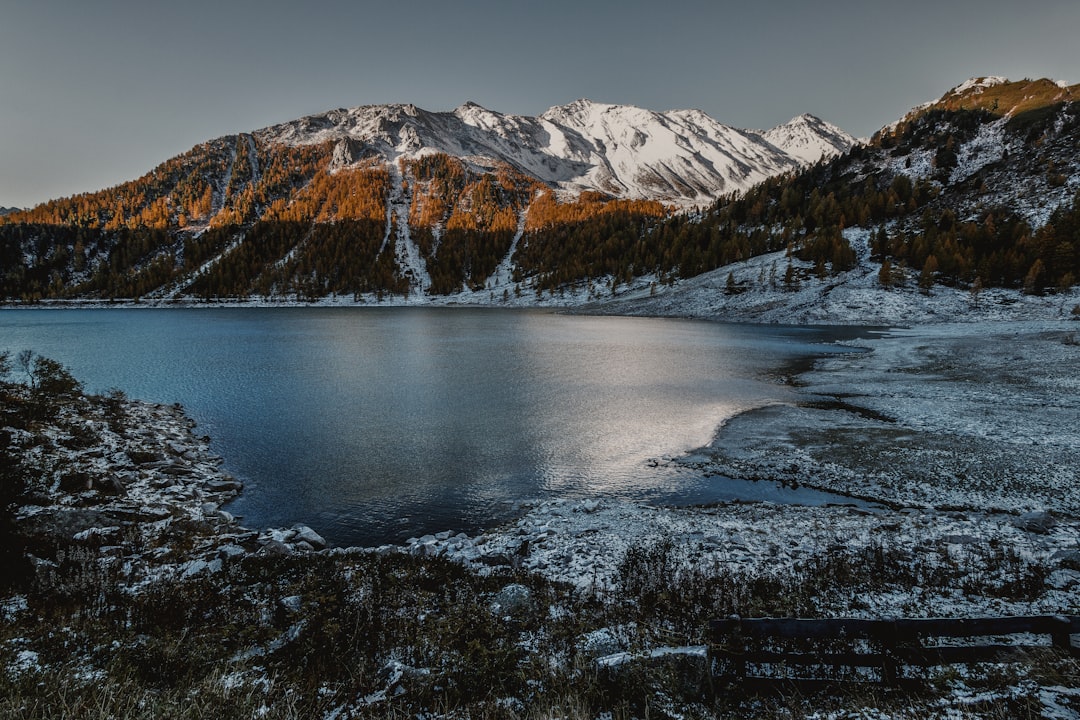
[
  {"x": 683, "y": 157},
  {"x": 393, "y": 203}
]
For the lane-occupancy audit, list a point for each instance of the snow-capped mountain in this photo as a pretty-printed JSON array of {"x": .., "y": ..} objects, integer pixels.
[
  {"x": 808, "y": 139},
  {"x": 393, "y": 203},
  {"x": 7, "y": 210},
  {"x": 679, "y": 156}
]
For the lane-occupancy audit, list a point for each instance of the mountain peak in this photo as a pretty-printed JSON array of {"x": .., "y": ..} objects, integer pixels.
[
  {"x": 978, "y": 84},
  {"x": 809, "y": 138}
]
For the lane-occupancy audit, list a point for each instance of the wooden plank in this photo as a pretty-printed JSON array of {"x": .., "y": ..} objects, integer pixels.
[
  {"x": 962, "y": 654},
  {"x": 776, "y": 657},
  {"x": 873, "y": 629},
  {"x": 734, "y": 638},
  {"x": 974, "y": 627},
  {"x": 802, "y": 628}
]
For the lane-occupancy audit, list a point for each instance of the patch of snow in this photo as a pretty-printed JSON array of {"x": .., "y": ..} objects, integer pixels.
[{"x": 979, "y": 83}]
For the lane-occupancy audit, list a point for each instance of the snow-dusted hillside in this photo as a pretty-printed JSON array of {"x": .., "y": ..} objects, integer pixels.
[{"x": 679, "y": 156}]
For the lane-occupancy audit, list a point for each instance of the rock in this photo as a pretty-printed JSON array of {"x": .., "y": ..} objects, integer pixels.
[
  {"x": 426, "y": 539},
  {"x": 960, "y": 540},
  {"x": 444, "y": 535},
  {"x": 599, "y": 643},
  {"x": 303, "y": 546},
  {"x": 225, "y": 516},
  {"x": 229, "y": 552},
  {"x": 292, "y": 603},
  {"x": 1040, "y": 522},
  {"x": 1062, "y": 579},
  {"x": 74, "y": 482},
  {"x": 306, "y": 534},
  {"x": 590, "y": 506},
  {"x": 195, "y": 567},
  {"x": 112, "y": 483},
  {"x": 1067, "y": 559},
  {"x": 514, "y": 601},
  {"x": 209, "y": 508},
  {"x": 223, "y": 485},
  {"x": 280, "y": 535},
  {"x": 274, "y": 548}
]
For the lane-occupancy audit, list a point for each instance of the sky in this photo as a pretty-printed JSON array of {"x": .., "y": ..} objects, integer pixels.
[{"x": 93, "y": 94}]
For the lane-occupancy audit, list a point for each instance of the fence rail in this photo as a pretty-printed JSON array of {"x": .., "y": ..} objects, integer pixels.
[{"x": 884, "y": 645}]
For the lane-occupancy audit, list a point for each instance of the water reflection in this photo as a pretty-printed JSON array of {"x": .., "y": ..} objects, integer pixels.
[{"x": 376, "y": 424}]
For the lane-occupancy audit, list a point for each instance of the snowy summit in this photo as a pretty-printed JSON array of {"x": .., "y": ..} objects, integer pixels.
[{"x": 679, "y": 156}]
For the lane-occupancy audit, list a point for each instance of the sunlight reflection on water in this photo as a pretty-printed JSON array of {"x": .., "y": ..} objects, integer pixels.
[{"x": 372, "y": 425}]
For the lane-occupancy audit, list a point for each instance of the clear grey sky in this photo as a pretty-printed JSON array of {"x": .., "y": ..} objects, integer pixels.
[{"x": 96, "y": 93}]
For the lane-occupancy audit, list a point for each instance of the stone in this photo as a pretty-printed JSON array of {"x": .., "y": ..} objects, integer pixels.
[
  {"x": 224, "y": 485},
  {"x": 960, "y": 540},
  {"x": 600, "y": 642},
  {"x": 230, "y": 552},
  {"x": 74, "y": 482},
  {"x": 1067, "y": 558},
  {"x": 306, "y": 534},
  {"x": 274, "y": 548},
  {"x": 1039, "y": 522},
  {"x": 1062, "y": 579},
  {"x": 292, "y": 603},
  {"x": 303, "y": 546},
  {"x": 514, "y": 601}
]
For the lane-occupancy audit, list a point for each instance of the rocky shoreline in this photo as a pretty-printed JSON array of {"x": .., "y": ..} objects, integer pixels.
[
  {"x": 154, "y": 585},
  {"x": 147, "y": 489}
]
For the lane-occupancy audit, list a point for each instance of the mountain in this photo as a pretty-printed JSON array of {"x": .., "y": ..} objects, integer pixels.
[
  {"x": 681, "y": 156},
  {"x": 967, "y": 207},
  {"x": 387, "y": 199},
  {"x": 7, "y": 210},
  {"x": 808, "y": 139},
  {"x": 393, "y": 203}
]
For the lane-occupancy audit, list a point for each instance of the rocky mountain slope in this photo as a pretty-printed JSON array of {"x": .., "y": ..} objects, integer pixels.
[
  {"x": 680, "y": 156},
  {"x": 398, "y": 204}
]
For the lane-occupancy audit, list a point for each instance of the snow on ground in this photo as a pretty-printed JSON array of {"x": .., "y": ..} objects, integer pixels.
[
  {"x": 855, "y": 297},
  {"x": 964, "y": 437},
  {"x": 983, "y": 416}
]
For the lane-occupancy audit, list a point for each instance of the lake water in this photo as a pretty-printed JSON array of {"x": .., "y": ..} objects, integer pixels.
[{"x": 376, "y": 424}]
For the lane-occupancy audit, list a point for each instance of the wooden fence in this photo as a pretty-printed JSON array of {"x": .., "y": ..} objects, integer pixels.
[{"x": 793, "y": 647}]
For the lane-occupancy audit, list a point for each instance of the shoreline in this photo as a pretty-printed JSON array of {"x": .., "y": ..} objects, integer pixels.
[
  {"x": 147, "y": 517},
  {"x": 756, "y": 445}
]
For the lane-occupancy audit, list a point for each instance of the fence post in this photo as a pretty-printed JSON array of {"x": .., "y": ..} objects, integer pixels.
[
  {"x": 1061, "y": 634},
  {"x": 890, "y": 637}
]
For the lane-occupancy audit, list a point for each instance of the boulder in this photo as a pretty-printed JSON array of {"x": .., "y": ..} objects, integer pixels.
[
  {"x": 312, "y": 538},
  {"x": 1040, "y": 522},
  {"x": 1067, "y": 558},
  {"x": 231, "y": 551},
  {"x": 514, "y": 601},
  {"x": 292, "y": 603},
  {"x": 274, "y": 548}
]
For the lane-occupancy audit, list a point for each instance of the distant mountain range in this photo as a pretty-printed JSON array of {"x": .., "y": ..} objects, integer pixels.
[
  {"x": 680, "y": 156},
  {"x": 8, "y": 210},
  {"x": 395, "y": 203}
]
